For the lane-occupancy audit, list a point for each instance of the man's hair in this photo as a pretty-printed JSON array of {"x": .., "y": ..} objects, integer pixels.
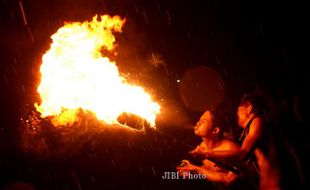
[
  {"x": 256, "y": 101},
  {"x": 218, "y": 123},
  {"x": 220, "y": 119}
]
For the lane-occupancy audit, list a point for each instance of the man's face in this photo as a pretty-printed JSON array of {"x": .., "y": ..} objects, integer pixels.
[
  {"x": 242, "y": 115},
  {"x": 204, "y": 125}
]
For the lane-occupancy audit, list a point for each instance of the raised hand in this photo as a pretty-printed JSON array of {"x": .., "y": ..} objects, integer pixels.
[{"x": 199, "y": 150}]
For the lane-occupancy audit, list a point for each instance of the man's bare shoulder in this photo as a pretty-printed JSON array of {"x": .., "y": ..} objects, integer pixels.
[{"x": 228, "y": 145}]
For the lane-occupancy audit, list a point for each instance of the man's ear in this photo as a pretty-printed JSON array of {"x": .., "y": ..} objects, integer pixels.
[
  {"x": 249, "y": 109},
  {"x": 216, "y": 130}
]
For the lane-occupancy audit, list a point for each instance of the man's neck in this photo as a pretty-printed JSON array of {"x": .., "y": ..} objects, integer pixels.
[{"x": 211, "y": 142}]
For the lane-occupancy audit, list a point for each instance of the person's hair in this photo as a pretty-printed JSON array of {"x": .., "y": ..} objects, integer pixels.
[
  {"x": 220, "y": 124},
  {"x": 218, "y": 121},
  {"x": 256, "y": 101}
]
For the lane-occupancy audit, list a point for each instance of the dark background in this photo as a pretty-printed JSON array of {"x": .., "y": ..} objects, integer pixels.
[{"x": 253, "y": 45}]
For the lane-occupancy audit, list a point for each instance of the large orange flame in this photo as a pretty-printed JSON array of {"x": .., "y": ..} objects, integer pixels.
[{"x": 75, "y": 75}]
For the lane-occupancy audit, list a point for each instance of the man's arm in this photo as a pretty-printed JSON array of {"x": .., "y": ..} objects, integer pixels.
[
  {"x": 238, "y": 154},
  {"x": 214, "y": 176}
]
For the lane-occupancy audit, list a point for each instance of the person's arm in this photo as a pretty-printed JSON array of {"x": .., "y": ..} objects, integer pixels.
[
  {"x": 254, "y": 134},
  {"x": 214, "y": 176}
]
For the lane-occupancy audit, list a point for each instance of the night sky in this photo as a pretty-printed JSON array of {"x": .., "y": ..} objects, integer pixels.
[{"x": 245, "y": 46}]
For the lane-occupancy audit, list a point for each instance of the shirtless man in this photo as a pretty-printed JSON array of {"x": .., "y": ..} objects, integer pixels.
[
  {"x": 212, "y": 139},
  {"x": 257, "y": 141}
]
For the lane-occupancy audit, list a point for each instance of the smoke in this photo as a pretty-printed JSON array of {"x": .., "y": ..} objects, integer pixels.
[
  {"x": 173, "y": 115},
  {"x": 40, "y": 138}
]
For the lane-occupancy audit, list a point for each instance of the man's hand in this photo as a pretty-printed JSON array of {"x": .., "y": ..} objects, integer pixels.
[
  {"x": 186, "y": 166},
  {"x": 198, "y": 151}
]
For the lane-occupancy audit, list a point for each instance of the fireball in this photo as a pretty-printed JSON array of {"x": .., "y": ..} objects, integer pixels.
[{"x": 76, "y": 76}]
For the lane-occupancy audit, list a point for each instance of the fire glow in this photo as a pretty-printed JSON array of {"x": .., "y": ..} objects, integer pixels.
[{"x": 75, "y": 75}]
